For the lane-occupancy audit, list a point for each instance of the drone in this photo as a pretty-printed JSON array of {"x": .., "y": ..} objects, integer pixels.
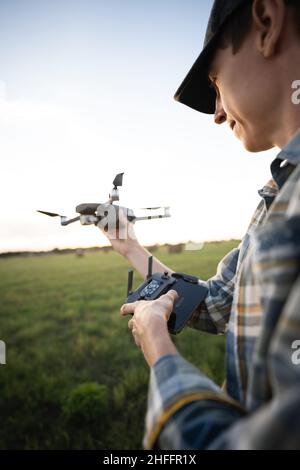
[{"x": 93, "y": 213}]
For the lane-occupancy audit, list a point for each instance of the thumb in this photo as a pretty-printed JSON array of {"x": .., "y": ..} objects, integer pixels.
[{"x": 172, "y": 294}]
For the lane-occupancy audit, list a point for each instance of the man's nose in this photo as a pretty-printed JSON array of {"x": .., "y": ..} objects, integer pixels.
[{"x": 220, "y": 114}]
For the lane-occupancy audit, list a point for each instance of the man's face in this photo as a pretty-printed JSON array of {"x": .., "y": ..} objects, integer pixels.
[{"x": 246, "y": 94}]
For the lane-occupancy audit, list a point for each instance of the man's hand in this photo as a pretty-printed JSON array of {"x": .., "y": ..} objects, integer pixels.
[
  {"x": 149, "y": 325},
  {"x": 122, "y": 237}
]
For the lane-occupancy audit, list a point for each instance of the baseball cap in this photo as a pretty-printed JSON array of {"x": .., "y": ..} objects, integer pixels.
[{"x": 195, "y": 90}]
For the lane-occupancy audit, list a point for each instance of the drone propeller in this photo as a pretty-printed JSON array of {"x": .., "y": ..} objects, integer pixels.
[
  {"x": 51, "y": 214},
  {"x": 151, "y": 208},
  {"x": 63, "y": 219},
  {"x": 118, "y": 181}
]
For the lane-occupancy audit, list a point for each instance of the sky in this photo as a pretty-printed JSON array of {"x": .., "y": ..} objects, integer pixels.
[{"x": 86, "y": 91}]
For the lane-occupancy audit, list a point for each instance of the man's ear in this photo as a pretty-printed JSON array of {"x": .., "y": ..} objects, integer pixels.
[{"x": 268, "y": 18}]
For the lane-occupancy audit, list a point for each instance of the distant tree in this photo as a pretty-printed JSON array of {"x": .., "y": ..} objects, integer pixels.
[
  {"x": 106, "y": 249},
  {"x": 153, "y": 248},
  {"x": 174, "y": 249},
  {"x": 80, "y": 252}
]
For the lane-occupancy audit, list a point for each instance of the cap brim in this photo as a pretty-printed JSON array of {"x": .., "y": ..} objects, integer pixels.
[{"x": 196, "y": 90}]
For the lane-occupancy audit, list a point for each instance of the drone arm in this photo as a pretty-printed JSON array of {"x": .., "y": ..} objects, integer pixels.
[
  {"x": 159, "y": 216},
  {"x": 65, "y": 221},
  {"x": 151, "y": 217}
]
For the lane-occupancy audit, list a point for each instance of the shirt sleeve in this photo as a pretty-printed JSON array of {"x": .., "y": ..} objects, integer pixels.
[
  {"x": 188, "y": 411},
  {"x": 213, "y": 314},
  {"x": 177, "y": 389}
]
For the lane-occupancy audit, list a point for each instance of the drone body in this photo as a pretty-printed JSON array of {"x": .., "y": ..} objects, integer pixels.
[{"x": 107, "y": 213}]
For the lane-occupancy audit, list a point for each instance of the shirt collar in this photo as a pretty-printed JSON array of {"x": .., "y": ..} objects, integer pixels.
[
  {"x": 269, "y": 190},
  {"x": 291, "y": 151}
]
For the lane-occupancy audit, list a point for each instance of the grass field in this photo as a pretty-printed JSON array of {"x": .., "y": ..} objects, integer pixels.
[{"x": 73, "y": 377}]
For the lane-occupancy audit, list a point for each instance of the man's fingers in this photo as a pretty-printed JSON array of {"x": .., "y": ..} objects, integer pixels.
[
  {"x": 136, "y": 338},
  {"x": 128, "y": 309}
]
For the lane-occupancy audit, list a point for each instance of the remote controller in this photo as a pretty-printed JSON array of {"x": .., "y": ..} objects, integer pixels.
[{"x": 190, "y": 293}]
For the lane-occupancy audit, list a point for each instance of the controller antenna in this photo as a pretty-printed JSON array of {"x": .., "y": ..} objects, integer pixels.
[
  {"x": 150, "y": 264},
  {"x": 129, "y": 282}
]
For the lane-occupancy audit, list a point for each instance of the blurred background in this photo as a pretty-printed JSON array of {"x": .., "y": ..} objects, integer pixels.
[{"x": 86, "y": 91}]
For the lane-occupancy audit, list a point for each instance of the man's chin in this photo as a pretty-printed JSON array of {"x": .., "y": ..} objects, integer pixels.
[{"x": 255, "y": 145}]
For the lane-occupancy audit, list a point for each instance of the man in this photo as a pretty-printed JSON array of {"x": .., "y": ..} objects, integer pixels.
[{"x": 252, "y": 59}]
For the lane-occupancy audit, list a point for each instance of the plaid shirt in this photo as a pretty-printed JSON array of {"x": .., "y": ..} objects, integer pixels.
[{"x": 255, "y": 299}]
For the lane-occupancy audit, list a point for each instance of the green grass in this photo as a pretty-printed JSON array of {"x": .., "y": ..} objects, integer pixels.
[{"x": 74, "y": 378}]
